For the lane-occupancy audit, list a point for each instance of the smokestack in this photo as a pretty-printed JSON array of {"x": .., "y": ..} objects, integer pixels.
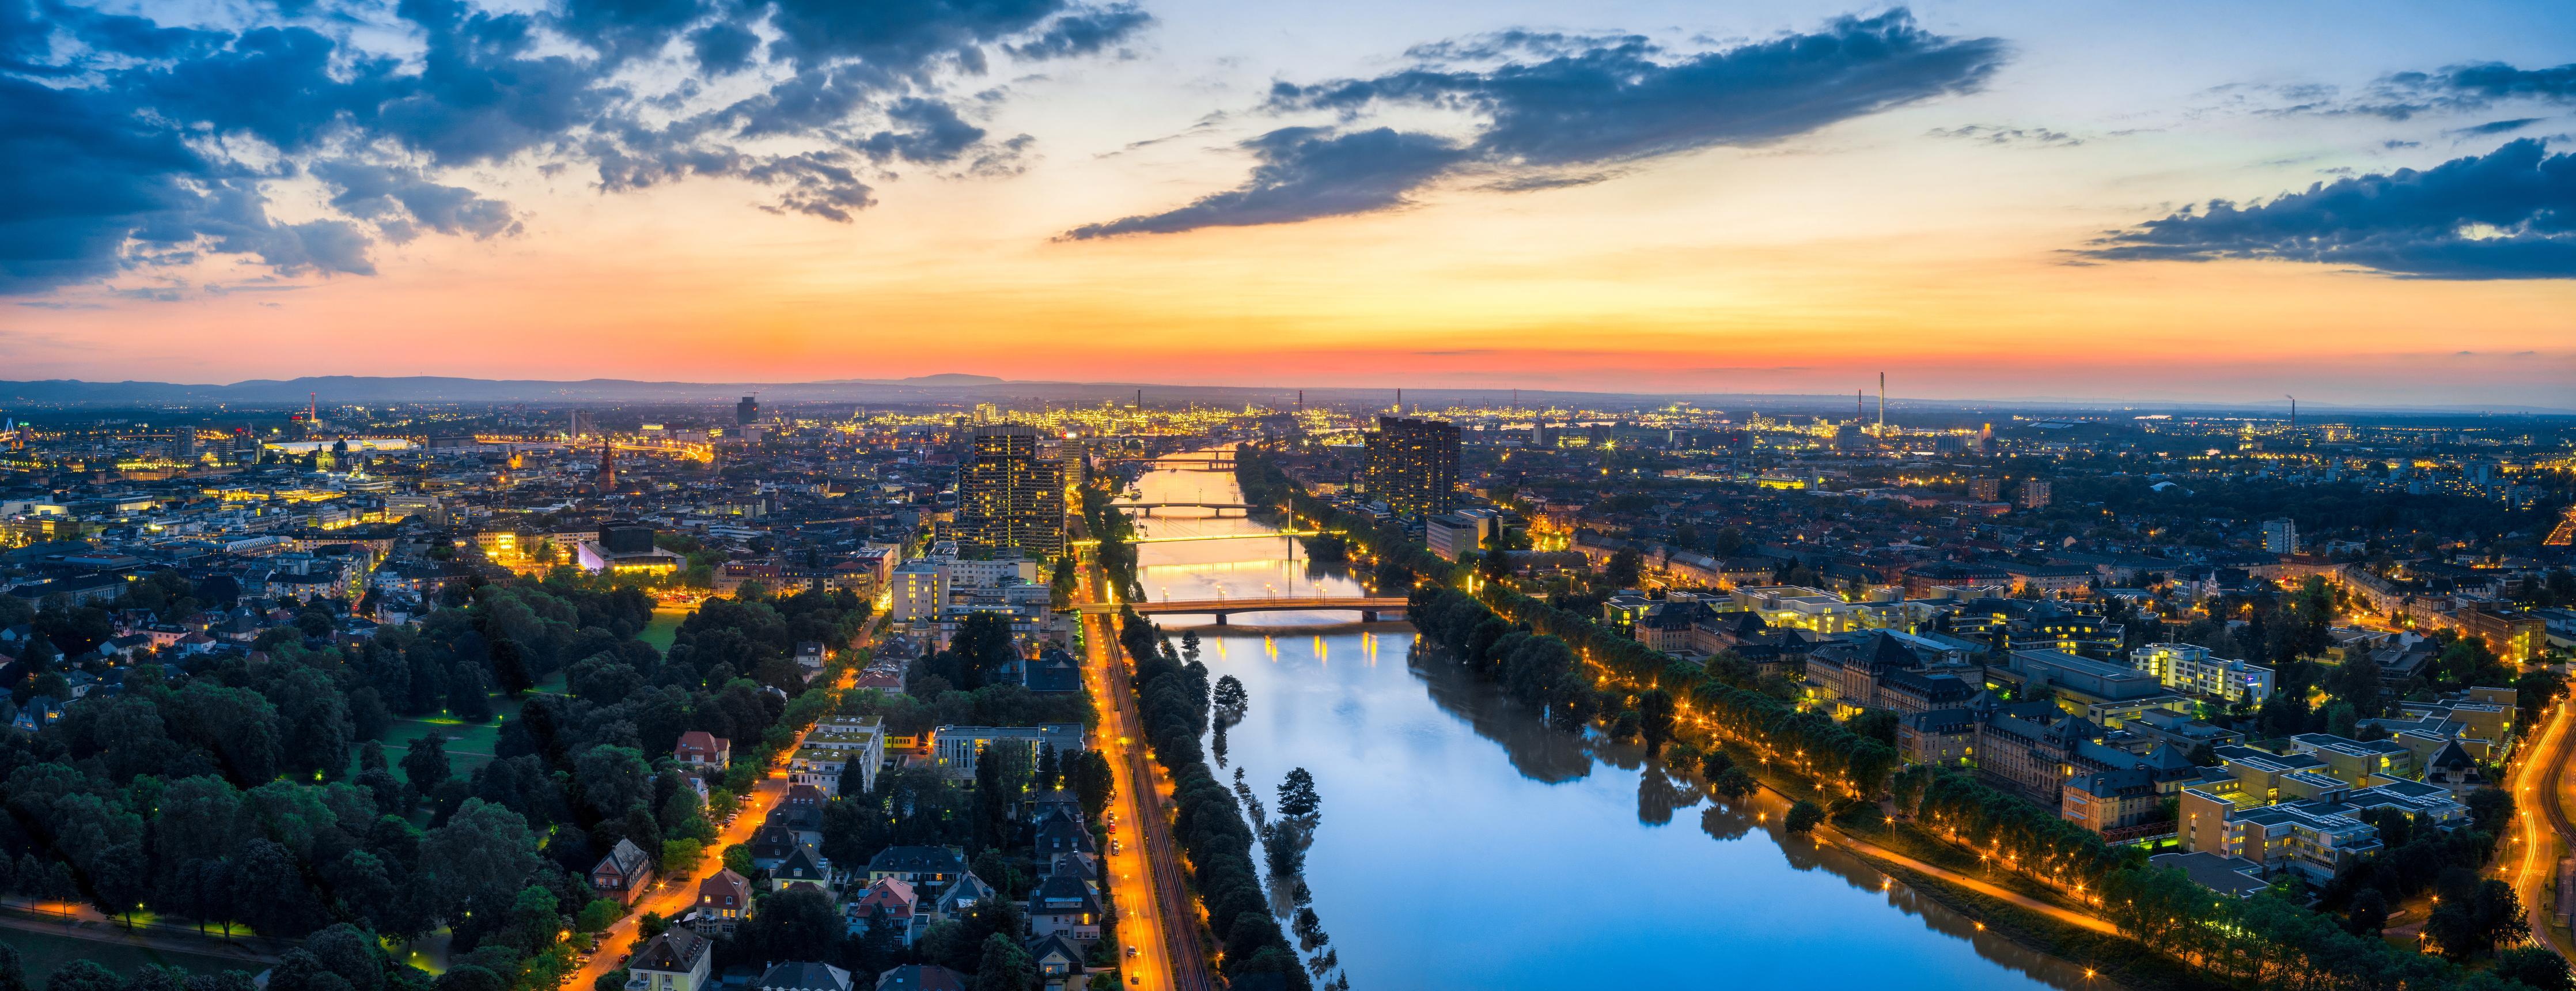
[
  {"x": 1140, "y": 399},
  {"x": 1301, "y": 400},
  {"x": 1399, "y": 402},
  {"x": 1882, "y": 402},
  {"x": 1859, "y": 406}
]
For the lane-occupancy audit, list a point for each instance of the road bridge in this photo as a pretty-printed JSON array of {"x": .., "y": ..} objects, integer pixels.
[
  {"x": 1218, "y": 508},
  {"x": 1370, "y": 608}
]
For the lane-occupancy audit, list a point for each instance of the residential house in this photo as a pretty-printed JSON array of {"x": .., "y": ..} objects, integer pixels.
[
  {"x": 1059, "y": 960},
  {"x": 624, "y": 874},
  {"x": 804, "y": 868},
  {"x": 921, "y": 977},
  {"x": 676, "y": 960},
  {"x": 929, "y": 869},
  {"x": 701, "y": 750},
  {"x": 724, "y": 901},
  {"x": 803, "y": 977},
  {"x": 889, "y": 903},
  {"x": 1067, "y": 905},
  {"x": 966, "y": 892}
]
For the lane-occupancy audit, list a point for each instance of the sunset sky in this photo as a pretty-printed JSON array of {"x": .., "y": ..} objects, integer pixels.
[{"x": 1988, "y": 200}]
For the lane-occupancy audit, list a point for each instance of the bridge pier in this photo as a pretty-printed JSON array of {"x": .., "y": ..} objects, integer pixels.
[
  {"x": 1220, "y": 618},
  {"x": 1368, "y": 615}
]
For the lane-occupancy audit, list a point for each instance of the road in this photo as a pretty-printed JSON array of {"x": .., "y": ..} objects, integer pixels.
[
  {"x": 2541, "y": 780},
  {"x": 2058, "y": 912},
  {"x": 671, "y": 897},
  {"x": 1155, "y": 917},
  {"x": 87, "y": 924}
]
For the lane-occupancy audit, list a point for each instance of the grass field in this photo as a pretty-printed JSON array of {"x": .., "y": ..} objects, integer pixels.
[
  {"x": 663, "y": 629},
  {"x": 43, "y": 953},
  {"x": 468, "y": 746}
]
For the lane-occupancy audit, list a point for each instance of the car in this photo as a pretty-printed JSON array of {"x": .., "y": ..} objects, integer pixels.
[{"x": 1131, "y": 951}]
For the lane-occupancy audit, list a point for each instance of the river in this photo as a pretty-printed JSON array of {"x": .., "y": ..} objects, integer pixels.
[{"x": 1465, "y": 845}]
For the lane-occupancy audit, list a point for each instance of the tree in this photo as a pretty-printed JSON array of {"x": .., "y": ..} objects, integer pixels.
[
  {"x": 600, "y": 914},
  {"x": 2367, "y": 913},
  {"x": 13, "y": 974},
  {"x": 1626, "y": 567},
  {"x": 426, "y": 763},
  {"x": 483, "y": 853},
  {"x": 1094, "y": 781},
  {"x": 1734, "y": 784},
  {"x": 1297, "y": 797},
  {"x": 2535, "y": 967},
  {"x": 82, "y": 975},
  {"x": 1005, "y": 966},
  {"x": 1804, "y": 817},
  {"x": 1655, "y": 718}
]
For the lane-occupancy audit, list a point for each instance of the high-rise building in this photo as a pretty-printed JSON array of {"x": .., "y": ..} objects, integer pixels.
[
  {"x": 1009, "y": 494},
  {"x": 747, "y": 411},
  {"x": 2281, "y": 536},
  {"x": 2034, "y": 494},
  {"x": 1985, "y": 489},
  {"x": 1413, "y": 465}
]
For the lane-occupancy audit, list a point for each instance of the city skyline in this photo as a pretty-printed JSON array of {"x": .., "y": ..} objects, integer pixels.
[{"x": 1994, "y": 201}]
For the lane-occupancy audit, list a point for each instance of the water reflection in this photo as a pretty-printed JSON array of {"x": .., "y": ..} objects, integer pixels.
[{"x": 1438, "y": 865}]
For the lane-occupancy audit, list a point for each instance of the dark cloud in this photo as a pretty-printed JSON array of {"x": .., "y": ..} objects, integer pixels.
[
  {"x": 2038, "y": 137},
  {"x": 2453, "y": 89},
  {"x": 1581, "y": 103},
  {"x": 1623, "y": 101},
  {"x": 932, "y": 133},
  {"x": 2509, "y": 214},
  {"x": 2393, "y": 144},
  {"x": 2495, "y": 127},
  {"x": 1087, "y": 32},
  {"x": 1504, "y": 44},
  {"x": 724, "y": 47},
  {"x": 397, "y": 198},
  {"x": 1539, "y": 183},
  {"x": 1306, "y": 173},
  {"x": 133, "y": 143}
]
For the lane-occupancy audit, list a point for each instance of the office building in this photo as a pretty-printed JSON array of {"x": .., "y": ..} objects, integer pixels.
[
  {"x": 747, "y": 411},
  {"x": 625, "y": 547},
  {"x": 1010, "y": 494},
  {"x": 2281, "y": 536},
  {"x": 2189, "y": 667},
  {"x": 1413, "y": 465}
]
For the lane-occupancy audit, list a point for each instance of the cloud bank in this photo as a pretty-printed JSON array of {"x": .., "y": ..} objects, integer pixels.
[
  {"x": 132, "y": 143},
  {"x": 1546, "y": 107},
  {"x": 2508, "y": 214}
]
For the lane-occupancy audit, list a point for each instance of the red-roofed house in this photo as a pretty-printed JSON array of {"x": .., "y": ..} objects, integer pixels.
[
  {"x": 888, "y": 902},
  {"x": 699, "y": 748},
  {"x": 724, "y": 900}
]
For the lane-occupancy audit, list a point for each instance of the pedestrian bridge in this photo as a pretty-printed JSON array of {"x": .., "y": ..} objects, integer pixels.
[{"x": 1370, "y": 609}]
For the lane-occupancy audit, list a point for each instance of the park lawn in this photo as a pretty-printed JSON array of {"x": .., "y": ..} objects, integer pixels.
[
  {"x": 44, "y": 953},
  {"x": 468, "y": 746},
  {"x": 663, "y": 629}
]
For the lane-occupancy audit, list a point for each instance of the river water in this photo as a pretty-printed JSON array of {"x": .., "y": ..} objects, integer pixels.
[{"x": 1465, "y": 845}]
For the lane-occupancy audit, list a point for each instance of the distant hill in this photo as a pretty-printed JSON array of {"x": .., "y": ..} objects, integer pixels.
[{"x": 957, "y": 387}]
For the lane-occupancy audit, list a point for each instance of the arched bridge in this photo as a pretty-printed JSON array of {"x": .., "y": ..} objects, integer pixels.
[
  {"x": 1217, "y": 507},
  {"x": 1370, "y": 609}
]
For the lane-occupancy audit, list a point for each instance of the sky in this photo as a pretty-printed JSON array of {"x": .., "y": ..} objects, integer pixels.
[{"x": 2196, "y": 201}]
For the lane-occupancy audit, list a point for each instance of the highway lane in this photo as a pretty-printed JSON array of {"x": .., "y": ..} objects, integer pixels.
[
  {"x": 1156, "y": 917},
  {"x": 2541, "y": 781}
]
